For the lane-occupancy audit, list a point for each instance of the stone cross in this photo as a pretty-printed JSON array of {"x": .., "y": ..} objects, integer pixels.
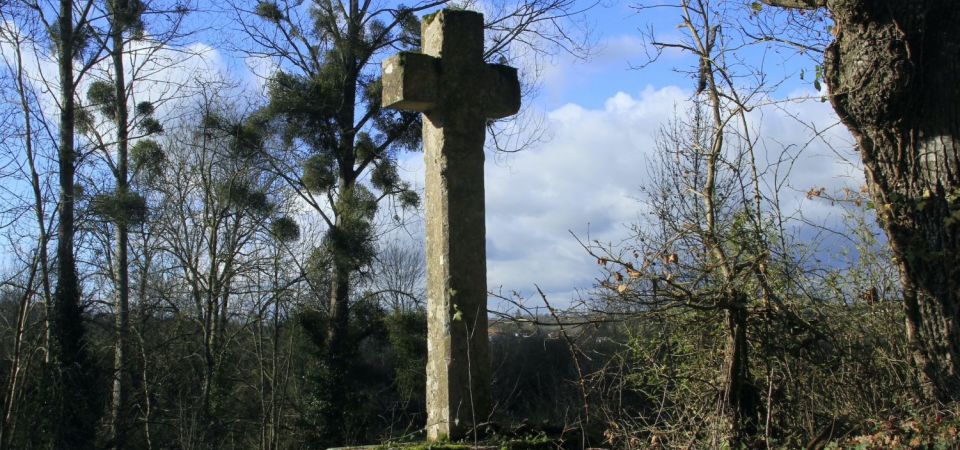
[{"x": 457, "y": 92}]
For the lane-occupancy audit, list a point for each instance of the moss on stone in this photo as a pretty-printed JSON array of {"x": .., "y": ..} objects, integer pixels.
[{"x": 539, "y": 442}]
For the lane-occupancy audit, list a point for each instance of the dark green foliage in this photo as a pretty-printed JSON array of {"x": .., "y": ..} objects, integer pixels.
[
  {"x": 350, "y": 245},
  {"x": 387, "y": 374},
  {"x": 83, "y": 48},
  {"x": 126, "y": 15},
  {"x": 365, "y": 148},
  {"x": 409, "y": 199},
  {"x": 245, "y": 197},
  {"x": 150, "y": 126},
  {"x": 325, "y": 111},
  {"x": 315, "y": 324},
  {"x": 83, "y": 121},
  {"x": 351, "y": 242},
  {"x": 145, "y": 108},
  {"x": 307, "y": 106},
  {"x": 403, "y": 128},
  {"x": 76, "y": 393},
  {"x": 269, "y": 11},
  {"x": 384, "y": 176},
  {"x": 213, "y": 121},
  {"x": 147, "y": 157},
  {"x": 128, "y": 208},
  {"x": 407, "y": 332},
  {"x": 534, "y": 374},
  {"x": 285, "y": 229},
  {"x": 409, "y": 28},
  {"x": 247, "y": 139},
  {"x": 358, "y": 204},
  {"x": 103, "y": 96},
  {"x": 317, "y": 266},
  {"x": 319, "y": 173}
]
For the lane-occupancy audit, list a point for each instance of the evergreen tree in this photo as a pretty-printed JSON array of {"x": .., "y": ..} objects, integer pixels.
[{"x": 325, "y": 107}]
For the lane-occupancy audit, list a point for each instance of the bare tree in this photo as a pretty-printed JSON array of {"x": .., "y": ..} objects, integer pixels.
[
  {"x": 214, "y": 210},
  {"x": 398, "y": 277},
  {"x": 19, "y": 40},
  {"x": 713, "y": 252}
]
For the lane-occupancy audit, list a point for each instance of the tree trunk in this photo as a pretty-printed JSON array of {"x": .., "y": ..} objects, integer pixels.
[
  {"x": 145, "y": 363},
  {"x": 893, "y": 76},
  {"x": 741, "y": 395},
  {"x": 74, "y": 421},
  {"x": 336, "y": 354},
  {"x": 119, "y": 393},
  {"x": 344, "y": 257}
]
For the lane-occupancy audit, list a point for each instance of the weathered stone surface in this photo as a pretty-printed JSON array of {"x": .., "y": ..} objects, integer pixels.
[
  {"x": 458, "y": 93},
  {"x": 410, "y": 81}
]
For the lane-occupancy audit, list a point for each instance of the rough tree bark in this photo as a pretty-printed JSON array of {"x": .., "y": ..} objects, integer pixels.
[{"x": 893, "y": 77}]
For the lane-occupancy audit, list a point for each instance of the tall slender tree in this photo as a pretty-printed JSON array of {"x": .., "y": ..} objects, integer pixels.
[
  {"x": 123, "y": 16},
  {"x": 122, "y": 207},
  {"x": 75, "y": 418}
]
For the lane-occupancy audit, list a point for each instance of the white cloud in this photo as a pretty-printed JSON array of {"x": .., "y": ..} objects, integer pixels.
[
  {"x": 582, "y": 181},
  {"x": 587, "y": 177},
  {"x": 821, "y": 146},
  {"x": 259, "y": 70},
  {"x": 586, "y": 180}
]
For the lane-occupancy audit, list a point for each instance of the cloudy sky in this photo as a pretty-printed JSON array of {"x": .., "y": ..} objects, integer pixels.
[{"x": 599, "y": 117}]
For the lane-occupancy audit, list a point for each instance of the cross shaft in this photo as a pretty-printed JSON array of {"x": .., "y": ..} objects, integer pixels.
[{"x": 457, "y": 92}]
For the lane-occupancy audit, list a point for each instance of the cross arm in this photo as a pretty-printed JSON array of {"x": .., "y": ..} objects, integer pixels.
[
  {"x": 503, "y": 88},
  {"x": 410, "y": 82}
]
